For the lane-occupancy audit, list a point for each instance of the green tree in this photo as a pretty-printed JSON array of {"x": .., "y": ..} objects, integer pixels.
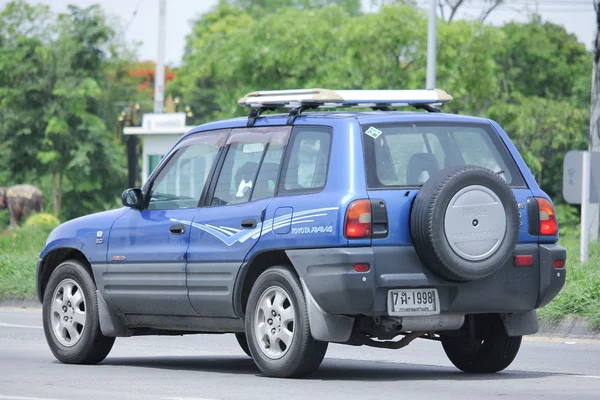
[
  {"x": 543, "y": 130},
  {"x": 54, "y": 104},
  {"x": 262, "y": 6},
  {"x": 541, "y": 59}
]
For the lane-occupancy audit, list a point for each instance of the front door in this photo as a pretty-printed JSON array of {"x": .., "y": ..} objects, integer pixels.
[
  {"x": 230, "y": 224},
  {"x": 146, "y": 251}
]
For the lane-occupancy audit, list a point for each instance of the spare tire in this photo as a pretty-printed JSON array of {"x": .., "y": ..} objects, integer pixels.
[{"x": 464, "y": 223}]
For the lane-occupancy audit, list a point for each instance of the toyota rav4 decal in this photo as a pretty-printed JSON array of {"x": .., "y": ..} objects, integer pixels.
[{"x": 230, "y": 236}]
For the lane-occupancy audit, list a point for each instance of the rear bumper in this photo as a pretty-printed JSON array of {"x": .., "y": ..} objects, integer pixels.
[{"x": 337, "y": 289}]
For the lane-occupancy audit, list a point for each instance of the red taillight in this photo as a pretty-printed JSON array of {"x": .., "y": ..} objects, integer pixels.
[
  {"x": 358, "y": 219},
  {"x": 523, "y": 261},
  {"x": 548, "y": 225},
  {"x": 362, "y": 267},
  {"x": 559, "y": 264}
]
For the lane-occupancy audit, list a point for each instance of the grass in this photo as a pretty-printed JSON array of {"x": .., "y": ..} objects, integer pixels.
[
  {"x": 581, "y": 294},
  {"x": 19, "y": 250}
]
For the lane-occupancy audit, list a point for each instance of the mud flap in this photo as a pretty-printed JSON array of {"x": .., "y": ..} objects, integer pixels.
[
  {"x": 110, "y": 324},
  {"x": 519, "y": 324},
  {"x": 324, "y": 326}
]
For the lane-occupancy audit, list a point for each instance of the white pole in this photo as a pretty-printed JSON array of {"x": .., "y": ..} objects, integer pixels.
[
  {"x": 585, "y": 203},
  {"x": 431, "y": 43},
  {"x": 159, "y": 74}
]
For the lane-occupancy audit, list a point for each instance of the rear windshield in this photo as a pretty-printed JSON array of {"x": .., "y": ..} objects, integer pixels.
[{"x": 406, "y": 155}]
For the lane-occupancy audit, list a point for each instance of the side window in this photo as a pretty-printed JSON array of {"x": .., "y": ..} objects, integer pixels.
[
  {"x": 180, "y": 183},
  {"x": 266, "y": 181},
  {"x": 306, "y": 169},
  {"x": 238, "y": 174}
]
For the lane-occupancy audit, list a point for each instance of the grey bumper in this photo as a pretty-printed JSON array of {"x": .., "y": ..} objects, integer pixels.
[{"x": 329, "y": 276}]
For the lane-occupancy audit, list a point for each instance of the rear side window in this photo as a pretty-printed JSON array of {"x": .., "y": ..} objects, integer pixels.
[
  {"x": 305, "y": 170},
  {"x": 407, "y": 155}
]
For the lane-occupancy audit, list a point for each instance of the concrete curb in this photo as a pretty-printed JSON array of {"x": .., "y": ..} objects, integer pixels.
[
  {"x": 568, "y": 328},
  {"x": 20, "y": 302}
]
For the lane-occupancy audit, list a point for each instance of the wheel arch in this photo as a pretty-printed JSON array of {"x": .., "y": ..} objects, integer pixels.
[
  {"x": 249, "y": 273},
  {"x": 52, "y": 260}
]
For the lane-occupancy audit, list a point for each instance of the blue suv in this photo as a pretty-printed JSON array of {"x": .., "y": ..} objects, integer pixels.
[{"x": 295, "y": 230}]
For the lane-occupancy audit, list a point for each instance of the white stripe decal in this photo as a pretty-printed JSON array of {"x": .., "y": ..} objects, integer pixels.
[{"x": 230, "y": 236}]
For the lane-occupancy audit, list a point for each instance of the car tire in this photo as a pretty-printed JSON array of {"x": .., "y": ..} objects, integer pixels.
[
  {"x": 243, "y": 342},
  {"x": 492, "y": 351},
  {"x": 465, "y": 223},
  {"x": 70, "y": 316},
  {"x": 278, "y": 329}
]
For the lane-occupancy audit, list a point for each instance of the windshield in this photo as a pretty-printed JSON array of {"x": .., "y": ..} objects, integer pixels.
[{"x": 406, "y": 155}]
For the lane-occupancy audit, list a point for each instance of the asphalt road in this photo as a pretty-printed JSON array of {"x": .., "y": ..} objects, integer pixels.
[{"x": 213, "y": 367}]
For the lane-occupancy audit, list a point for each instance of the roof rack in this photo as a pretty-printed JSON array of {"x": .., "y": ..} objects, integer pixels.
[
  {"x": 301, "y": 99},
  {"x": 326, "y": 98}
]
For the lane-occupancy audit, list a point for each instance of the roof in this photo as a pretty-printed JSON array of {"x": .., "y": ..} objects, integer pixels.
[{"x": 325, "y": 118}]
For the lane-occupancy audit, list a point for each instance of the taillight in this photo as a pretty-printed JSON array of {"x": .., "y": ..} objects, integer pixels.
[
  {"x": 358, "y": 219},
  {"x": 548, "y": 225}
]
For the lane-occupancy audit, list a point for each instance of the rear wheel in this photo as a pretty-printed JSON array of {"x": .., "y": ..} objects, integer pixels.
[
  {"x": 277, "y": 326},
  {"x": 491, "y": 350},
  {"x": 70, "y": 316}
]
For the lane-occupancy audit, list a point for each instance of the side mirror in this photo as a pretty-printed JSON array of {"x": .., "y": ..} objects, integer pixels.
[{"x": 132, "y": 198}]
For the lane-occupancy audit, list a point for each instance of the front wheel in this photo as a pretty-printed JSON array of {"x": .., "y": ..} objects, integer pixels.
[
  {"x": 70, "y": 316},
  {"x": 492, "y": 350},
  {"x": 277, "y": 327}
]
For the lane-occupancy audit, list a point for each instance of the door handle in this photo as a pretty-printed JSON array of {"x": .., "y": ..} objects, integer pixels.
[
  {"x": 249, "y": 223},
  {"x": 177, "y": 229}
]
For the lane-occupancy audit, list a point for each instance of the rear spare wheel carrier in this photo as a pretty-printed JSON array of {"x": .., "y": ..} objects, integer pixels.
[{"x": 465, "y": 223}]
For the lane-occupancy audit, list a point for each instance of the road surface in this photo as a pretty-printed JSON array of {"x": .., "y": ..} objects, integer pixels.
[{"x": 198, "y": 367}]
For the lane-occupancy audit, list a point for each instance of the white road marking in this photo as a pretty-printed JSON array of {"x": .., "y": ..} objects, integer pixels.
[
  {"x": 185, "y": 398},
  {"x": 3, "y": 397},
  {"x": 587, "y": 376},
  {"x": 3, "y": 324}
]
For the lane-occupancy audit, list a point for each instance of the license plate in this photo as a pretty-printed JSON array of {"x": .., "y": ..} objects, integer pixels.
[{"x": 404, "y": 302}]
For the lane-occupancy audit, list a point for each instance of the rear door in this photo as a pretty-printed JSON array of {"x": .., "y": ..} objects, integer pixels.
[
  {"x": 400, "y": 157},
  {"x": 229, "y": 225}
]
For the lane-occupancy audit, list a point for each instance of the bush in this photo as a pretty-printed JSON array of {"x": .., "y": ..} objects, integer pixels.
[
  {"x": 42, "y": 220},
  {"x": 568, "y": 220}
]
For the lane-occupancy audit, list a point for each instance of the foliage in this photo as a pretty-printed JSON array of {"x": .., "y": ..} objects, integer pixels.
[
  {"x": 42, "y": 220},
  {"x": 57, "y": 74},
  {"x": 271, "y": 6},
  {"x": 543, "y": 130},
  {"x": 568, "y": 220},
  {"x": 144, "y": 71}
]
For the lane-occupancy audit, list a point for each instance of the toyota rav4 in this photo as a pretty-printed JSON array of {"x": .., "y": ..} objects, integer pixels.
[{"x": 305, "y": 228}]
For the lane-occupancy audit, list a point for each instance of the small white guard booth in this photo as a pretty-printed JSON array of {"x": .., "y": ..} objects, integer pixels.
[{"x": 158, "y": 133}]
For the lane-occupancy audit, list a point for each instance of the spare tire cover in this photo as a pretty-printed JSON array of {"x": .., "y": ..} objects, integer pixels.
[{"x": 465, "y": 223}]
